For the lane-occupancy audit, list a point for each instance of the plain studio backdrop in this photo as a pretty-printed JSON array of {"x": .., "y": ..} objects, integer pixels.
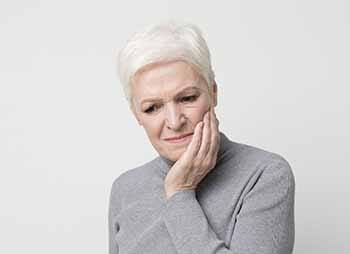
[{"x": 66, "y": 131}]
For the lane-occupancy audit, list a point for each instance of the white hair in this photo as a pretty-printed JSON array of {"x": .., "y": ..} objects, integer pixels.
[{"x": 164, "y": 42}]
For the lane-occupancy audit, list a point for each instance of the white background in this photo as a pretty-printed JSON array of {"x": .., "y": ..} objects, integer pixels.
[{"x": 66, "y": 131}]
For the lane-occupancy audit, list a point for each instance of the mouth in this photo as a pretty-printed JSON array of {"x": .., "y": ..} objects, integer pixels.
[{"x": 179, "y": 139}]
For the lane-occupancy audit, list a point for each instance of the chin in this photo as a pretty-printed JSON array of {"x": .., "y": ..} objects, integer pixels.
[
  {"x": 175, "y": 155},
  {"x": 170, "y": 152}
]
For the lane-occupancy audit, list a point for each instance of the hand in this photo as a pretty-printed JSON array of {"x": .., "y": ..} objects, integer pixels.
[{"x": 198, "y": 159}]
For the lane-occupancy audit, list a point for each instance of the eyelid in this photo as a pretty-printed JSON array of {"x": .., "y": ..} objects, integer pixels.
[
  {"x": 192, "y": 97},
  {"x": 181, "y": 99},
  {"x": 149, "y": 107}
]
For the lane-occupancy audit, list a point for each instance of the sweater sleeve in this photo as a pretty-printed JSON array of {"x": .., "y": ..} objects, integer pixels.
[
  {"x": 264, "y": 224},
  {"x": 113, "y": 209}
]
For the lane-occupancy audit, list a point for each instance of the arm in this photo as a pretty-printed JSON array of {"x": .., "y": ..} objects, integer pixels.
[
  {"x": 113, "y": 209},
  {"x": 264, "y": 225}
]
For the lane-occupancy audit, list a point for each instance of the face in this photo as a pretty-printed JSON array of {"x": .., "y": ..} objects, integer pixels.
[{"x": 168, "y": 100}]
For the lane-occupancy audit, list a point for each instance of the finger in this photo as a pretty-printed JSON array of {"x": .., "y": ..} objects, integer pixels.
[
  {"x": 194, "y": 145},
  {"x": 205, "y": 144},
  {"x": 216, "y": 119},
  {"x": 215, "y": 122},
  {"x": 215, "y": 125},
  {"x": 215, "y": 139}
]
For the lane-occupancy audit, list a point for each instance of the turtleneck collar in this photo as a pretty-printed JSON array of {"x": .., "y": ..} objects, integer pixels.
[{"x": 166, "y": 164}]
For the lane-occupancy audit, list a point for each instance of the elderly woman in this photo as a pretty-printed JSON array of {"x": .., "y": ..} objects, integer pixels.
[{"x": 204, "y": 193}]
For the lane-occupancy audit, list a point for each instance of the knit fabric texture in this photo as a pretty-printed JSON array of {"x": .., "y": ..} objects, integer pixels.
[{"x": 245, "y": 205}]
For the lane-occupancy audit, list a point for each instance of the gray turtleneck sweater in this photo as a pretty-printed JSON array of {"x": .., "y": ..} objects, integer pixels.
[{"x": 245, "y": 205}]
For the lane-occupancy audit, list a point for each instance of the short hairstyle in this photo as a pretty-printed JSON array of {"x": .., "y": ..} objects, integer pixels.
[{"x": 164, "y": 42}]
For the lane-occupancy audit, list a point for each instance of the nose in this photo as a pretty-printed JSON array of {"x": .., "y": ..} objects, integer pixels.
[{"x": 175, "y": 118}]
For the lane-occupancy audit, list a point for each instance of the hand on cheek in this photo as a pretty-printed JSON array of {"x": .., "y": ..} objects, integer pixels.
[{"x": 198, "y": 159}]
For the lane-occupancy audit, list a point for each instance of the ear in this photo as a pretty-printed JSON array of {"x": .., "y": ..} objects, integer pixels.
[
  {"x": 214, "y": 94},
  {"x": 135, "y": 114}
]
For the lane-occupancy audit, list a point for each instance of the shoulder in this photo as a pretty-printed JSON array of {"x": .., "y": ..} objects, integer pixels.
[
  {"x": 272, "y": 172},
  {"x": 132, "y": 177},
  {"x": 252, "y": 155},
  {"x": 269, "y": 161},
  {"x": 254, "y": 163}
]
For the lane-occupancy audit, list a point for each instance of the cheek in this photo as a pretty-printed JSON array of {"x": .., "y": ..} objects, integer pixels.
[
  {"x": 152, "y": 126},
  {"x": 196, "y": 112}
]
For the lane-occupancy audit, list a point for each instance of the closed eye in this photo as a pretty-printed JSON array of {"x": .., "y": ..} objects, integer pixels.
[
  {"x": 151, "y": 109},
  {"x": 184, "y": 99},
  {"x": 190, "y": 98}
]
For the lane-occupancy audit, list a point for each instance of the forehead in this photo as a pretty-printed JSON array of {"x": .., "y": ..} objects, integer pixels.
[{"x": 165, "y": 80}]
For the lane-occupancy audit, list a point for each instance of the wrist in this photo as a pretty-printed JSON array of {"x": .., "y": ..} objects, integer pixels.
[{"x": 169, "y": 192}]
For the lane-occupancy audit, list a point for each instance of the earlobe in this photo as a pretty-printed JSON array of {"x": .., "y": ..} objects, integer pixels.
[
  {"x": 138, "y": 120},
  {"x": 135, "y": 115}
]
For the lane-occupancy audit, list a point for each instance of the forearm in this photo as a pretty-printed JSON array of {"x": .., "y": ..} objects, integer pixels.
[
  {"x": 264, "y": 225},
  {"x": 188, "y": 226}
]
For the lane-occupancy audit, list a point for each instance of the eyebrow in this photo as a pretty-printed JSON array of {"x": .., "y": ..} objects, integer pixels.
[{"x": 185, "y": 90}]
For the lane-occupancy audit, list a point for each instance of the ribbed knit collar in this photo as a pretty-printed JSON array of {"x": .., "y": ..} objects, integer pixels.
[{"x": 165, "y": 164}]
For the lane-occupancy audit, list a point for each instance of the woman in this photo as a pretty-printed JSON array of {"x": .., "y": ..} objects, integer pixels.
[{"x": 204, "y": 193}]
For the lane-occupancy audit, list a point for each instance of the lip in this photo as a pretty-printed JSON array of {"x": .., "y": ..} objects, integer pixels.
[{"x": 178, "y": 139}]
